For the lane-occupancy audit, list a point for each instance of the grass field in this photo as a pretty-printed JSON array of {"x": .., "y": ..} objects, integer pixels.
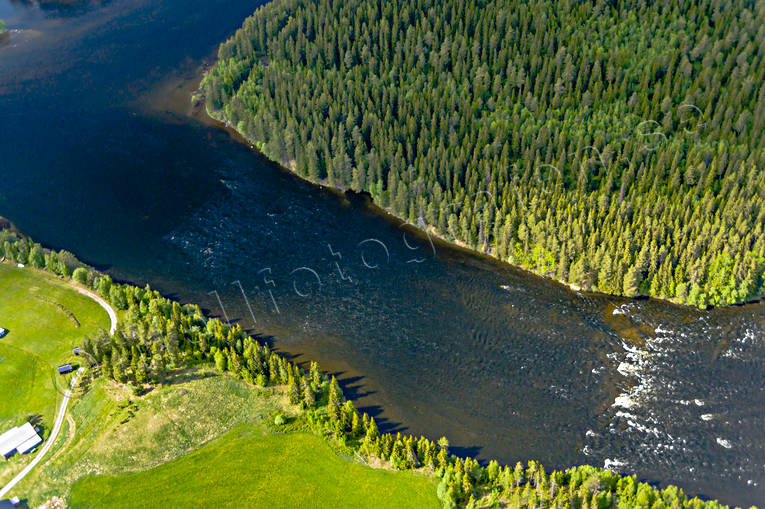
[
  {"x": 41, "y": 336},
  {"x": 247, "y": 468},
  {"x": 181, "y": 431},
  {"x": 116, "y": 432}
]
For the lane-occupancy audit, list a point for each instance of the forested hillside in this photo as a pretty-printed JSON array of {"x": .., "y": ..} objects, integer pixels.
[{"x": 613, "y": 146}]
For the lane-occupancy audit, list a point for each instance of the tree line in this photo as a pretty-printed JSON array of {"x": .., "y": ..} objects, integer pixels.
[
  {"x": 156, "y": 336},
  {"x": 614, "y": 146}
]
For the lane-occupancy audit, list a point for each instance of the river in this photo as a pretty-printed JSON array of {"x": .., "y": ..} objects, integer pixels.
[{"x": 102, "y": 154}]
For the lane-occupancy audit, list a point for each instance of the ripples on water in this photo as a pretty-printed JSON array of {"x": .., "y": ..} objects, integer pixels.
[
  {"x": 506, "y": 364},
  {"x": 512, "y": 362}
]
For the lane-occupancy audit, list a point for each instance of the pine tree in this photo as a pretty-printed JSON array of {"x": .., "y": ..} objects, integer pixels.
[
  {"x": 333, "y": 404},
  {"x": 315, "y": 374},
  {"x": 309, "y": 399},
  {"x": 221, "y": 362},
  {"x": 356, "y": 425},
  {"x": 293, "y": 391},
  {"x": 372, "y": 432},
  {"x": 632, "y": 282}
]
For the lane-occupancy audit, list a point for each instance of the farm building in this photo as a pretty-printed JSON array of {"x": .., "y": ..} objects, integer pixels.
[
  {"x": 20, "y": 439},
  {"x": 65, "y": 368},
  {"x": 3, "y": 332}
]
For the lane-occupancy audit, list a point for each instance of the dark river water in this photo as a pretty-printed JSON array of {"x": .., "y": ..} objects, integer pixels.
[{"x": 101, "y": 154}]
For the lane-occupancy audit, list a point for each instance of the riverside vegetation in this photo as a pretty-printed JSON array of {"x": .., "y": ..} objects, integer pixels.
[
  {"x": 611, "y": 146},
  {"x": 158, "y": 339}
]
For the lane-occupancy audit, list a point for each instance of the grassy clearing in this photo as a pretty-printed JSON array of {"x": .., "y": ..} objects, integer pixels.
[
  {"x": 181, "y": 428},
  {"x": 117, "y": 432},
  {"x": 246, "y": 468},
  {"x": 41, "y": 336},
  {"x": 118, "y": 436}
]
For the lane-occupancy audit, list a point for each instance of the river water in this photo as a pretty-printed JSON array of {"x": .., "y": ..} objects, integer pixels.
[{"x": 102, "y": 154}]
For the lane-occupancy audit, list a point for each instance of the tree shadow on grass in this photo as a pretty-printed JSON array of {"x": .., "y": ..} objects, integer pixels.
[
  {"x": 187, "y": 375},
  {"x": 36, "y": 420}
]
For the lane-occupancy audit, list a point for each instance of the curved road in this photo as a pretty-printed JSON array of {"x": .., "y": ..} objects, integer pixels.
[
  {"x": 103, "y": 304},
  {"x": 62, "y": 410}
]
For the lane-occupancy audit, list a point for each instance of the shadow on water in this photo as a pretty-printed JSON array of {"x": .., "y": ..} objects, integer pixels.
[
  {"x": 384, "y": 424},
  {"x": 351, "y": 388}
]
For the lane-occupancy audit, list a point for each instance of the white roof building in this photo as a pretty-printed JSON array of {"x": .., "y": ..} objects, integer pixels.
[{"x": 21, "y": 439}]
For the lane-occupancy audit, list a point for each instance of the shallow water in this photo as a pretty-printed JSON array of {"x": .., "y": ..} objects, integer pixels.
[{"x": 100, "y": 157}]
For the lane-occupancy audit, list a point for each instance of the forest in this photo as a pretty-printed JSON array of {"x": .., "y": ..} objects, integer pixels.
[
  {"x": 612, "y": 146},
  {"x": 156, "y": 337}
]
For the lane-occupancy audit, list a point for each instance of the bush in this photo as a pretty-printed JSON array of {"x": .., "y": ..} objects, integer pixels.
[{"x": 80, "y": 275}]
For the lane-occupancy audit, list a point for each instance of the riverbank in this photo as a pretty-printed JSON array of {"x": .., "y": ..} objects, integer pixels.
[
  {"x": 428, "y": 232},
  {"x": 500, "y": 166},
  {"x": 317, "y": 402}
]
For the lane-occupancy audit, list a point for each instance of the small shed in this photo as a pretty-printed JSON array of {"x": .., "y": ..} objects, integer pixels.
[
  {"x": 76, "y": 350},
  {"x": 3, "y": 332},
  {"x": 65, "y": 368}
]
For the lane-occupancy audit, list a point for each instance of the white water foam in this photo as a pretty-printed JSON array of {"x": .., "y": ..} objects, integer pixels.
[
  {"x": 724, "y": 443},
  {"x": 624, "y": 401},
  {"x": 739, "y": 347},
  {"x": 613, "y": 464},
  {"x": 627, "y": 369}
]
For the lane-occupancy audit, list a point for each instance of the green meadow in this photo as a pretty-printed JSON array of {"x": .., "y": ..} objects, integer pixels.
[
  {"x": 116, "y": 432},
  {"x": 40, "y": 336},
  {"x": 250, "y": 468},
  {"x": 195, "y": 438}
]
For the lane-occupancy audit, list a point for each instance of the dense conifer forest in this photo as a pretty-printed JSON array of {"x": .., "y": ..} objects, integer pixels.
[
  {"x": 615, "y": 146},
  {"x": 156, "y": 336}
]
